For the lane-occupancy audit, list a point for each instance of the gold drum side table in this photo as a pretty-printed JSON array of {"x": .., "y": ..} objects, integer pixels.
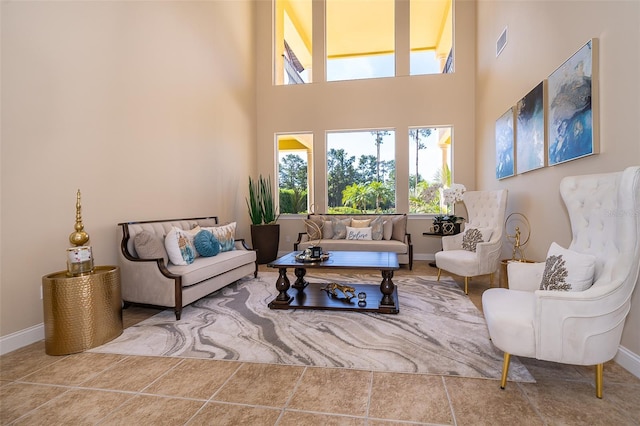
[{"x": 81, "y": 312}]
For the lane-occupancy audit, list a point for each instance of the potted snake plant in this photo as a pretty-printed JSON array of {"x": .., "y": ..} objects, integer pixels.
[{"x": 265, "y": 232}]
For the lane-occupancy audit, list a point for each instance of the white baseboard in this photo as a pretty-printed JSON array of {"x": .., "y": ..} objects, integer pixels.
[
  {"x": 628, "y": 360},
  {"x": 19, "y": 339},
  {"x": 424, "y": 256}
]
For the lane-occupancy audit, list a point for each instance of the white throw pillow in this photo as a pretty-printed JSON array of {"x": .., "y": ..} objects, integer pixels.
[
  {"x": 387, "y": 229},
  {"x": 180, "y": 247},
  {"x": 358, "y": 233},
  {"x": 567, "y": 270}
]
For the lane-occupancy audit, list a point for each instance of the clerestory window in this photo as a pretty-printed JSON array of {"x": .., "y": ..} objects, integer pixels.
[{"x": 360, "y": 39}]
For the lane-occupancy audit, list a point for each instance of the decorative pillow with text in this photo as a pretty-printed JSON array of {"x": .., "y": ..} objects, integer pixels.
[{"x": 358, "y": 233}]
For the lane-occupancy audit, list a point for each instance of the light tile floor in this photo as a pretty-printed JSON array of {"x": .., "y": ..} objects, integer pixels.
[{"x": 103, "y": 389}]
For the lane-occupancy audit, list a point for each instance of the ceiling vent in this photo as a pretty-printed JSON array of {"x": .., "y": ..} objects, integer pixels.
[{"x": 502, "y": 42}]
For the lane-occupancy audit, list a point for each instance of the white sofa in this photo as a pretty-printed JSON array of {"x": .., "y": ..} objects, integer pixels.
[
  {"x": 398, "y": 241},
  {"x": 154, "y": 280}
]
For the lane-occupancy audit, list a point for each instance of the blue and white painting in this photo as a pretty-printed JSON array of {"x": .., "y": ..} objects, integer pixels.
[
  {"x": 571, "y": 133},
  {"x": 530, "y": 130},
  {"x": 504, "y": 145}
]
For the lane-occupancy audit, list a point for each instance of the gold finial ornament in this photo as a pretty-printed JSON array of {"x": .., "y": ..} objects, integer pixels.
[
  {"x": 79, "y": 258},
  {"x": 79, "y": 237}
]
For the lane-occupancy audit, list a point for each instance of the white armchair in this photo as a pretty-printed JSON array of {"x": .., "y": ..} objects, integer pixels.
[
  {"x": 576, "y": 327},
  {"x": 486, "y": 210}
]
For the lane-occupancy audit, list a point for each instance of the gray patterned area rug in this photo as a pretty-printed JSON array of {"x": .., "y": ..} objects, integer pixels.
[{"x": 438, "y": 331}]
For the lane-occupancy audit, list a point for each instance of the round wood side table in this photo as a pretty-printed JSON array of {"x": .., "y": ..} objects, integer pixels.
[{"x": 81, "y": 312}]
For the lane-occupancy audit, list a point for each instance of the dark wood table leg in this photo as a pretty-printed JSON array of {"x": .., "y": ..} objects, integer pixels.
[
  {"x": 300, "y": 283},
  {"x": 386, "y": 287},
  {"x": 282, "y": 285}
]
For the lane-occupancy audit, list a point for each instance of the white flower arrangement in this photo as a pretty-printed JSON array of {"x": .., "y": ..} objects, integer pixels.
[
  {"x": 429, "y": 193},
  {"x": 453, "y": 194}
]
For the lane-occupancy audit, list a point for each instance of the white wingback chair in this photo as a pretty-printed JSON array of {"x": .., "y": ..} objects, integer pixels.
[
  {"x": 486, "y": 210},
  {"x": 576, "y": 327}
]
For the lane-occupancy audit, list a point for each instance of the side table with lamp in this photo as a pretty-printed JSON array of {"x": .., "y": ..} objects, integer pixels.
[{"x": 82, "y": 305}]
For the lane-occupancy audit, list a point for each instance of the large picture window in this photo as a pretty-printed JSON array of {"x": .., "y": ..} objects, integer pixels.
[
  {"x": 295, "y": 154},
  {"x": 361, "y": 171},
  {"x": 429, "y": 168}
]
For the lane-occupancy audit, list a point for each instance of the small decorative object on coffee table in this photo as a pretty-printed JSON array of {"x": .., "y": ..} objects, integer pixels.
[
  {"x": 308, "y": 256},
  {"x": 333, "y": 288},
  {"x": 316, "y": 251},
  {"x": 362, "y": 299}
]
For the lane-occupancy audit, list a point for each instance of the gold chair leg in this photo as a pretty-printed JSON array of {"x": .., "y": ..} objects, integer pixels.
[
  {"x": 599, "y": 376},
  {"x": 505, "y": 370},
  {"x": 466, "y": 285},
  {"x": 491, "y": 280},
  {"x": 439, "y": 271}
]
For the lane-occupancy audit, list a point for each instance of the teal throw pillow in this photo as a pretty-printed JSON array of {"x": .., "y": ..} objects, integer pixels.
[{"x": 206, "y": 243}]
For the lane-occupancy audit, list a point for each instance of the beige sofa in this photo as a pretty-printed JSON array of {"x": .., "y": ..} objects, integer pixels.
[
  {"x": 320, "y": 231},
  {"x": 151, "y": 279}
]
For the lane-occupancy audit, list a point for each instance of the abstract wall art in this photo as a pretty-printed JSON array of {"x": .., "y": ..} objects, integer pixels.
[
  {"x": 572, "y": 107},
  {"x": 505, "y": 164},
  {"x": 530, "y": 147}
]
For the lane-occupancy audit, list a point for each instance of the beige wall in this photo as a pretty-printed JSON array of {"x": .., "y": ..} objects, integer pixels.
[
  {"x": 541, "y": 36},
  {"x": 147, "y": 107},
  {"x": 398, "y": 103}
]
